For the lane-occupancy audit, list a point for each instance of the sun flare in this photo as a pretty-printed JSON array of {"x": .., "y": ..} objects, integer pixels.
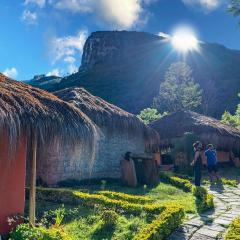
[{"x": 184, "y": 40}]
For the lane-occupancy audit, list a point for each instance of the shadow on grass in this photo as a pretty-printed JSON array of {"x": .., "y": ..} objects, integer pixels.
[
  {"x": 103, "y": 232},
  {"x": 109, "y": 184}
]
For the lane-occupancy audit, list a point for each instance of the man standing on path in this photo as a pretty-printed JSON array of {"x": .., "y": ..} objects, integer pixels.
[{"x": 211, "y": 155}]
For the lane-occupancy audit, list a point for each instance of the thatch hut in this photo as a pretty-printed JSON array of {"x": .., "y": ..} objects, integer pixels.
[
  {"x": 121, "y": 131},
  {"x": 28, "y": 115},
  {"x": 175, "y": 126}
]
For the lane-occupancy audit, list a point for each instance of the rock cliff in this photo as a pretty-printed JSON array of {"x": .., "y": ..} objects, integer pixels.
[{"x": 126, "y": 69}]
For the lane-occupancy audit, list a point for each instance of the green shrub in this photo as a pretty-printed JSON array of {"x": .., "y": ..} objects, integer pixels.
[
  {"x": 204, "y": 200},
  {"x": 126, "y": 197},
  {"x": 163, "y": 225},
  {"x": 90, "y": 200},
  {"x": 24, "y": 232},
  {"x": 109, "y": 218},
  {"x": 229, "y": 182},
  {"x": 53, "y": 217},
  {"x": 233, "y": 232},
  {"x": 178, "y": 182}
]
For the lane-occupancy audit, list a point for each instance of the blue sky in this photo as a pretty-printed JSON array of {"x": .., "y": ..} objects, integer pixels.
[{"x": 47, "y": 36}]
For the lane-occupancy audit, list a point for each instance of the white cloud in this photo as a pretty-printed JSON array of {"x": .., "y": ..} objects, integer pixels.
[
  {"x": 29, "y": 17},
  {"x": 207, "y": 5},
  {"x": 72, "y": 68},
  {"x": 65, "y": 47},
  {"x": 69, "y": 59},
  {"x": 11, "y": 72},
  {"x": 73, "y": 5},
  {"x": 120, "y": 14},
  {"x": 55, "y": 72},
  {"x": 39, "y": 3},
  {"x": 164, "y": 35}
]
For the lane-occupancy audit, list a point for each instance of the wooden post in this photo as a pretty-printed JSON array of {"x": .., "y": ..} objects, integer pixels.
[{"x": 32, "y": 193}]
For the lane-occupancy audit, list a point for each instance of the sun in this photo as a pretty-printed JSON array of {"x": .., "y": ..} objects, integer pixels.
[{"x": 184, "y": 40}]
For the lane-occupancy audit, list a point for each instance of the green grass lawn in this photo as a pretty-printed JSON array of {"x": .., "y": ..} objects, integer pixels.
[
  {"x": 85, "y": 223},
  {"x": 161, "y": 193},
  {"x": 81, "y": 222}
]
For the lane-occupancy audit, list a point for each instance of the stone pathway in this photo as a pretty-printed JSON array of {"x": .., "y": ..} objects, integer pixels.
[{"x": 212, "y": 225}]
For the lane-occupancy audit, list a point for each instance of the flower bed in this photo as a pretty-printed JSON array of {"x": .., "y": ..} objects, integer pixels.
[
  {"x": 204, "y": 200},
  {"x": 233, "y": 232},
  {"x": 163, "y": 225},
  {"x": 87, "y": 199},
  {"x": 126, "y": 197},
  {"x": 181, "y": 183}
]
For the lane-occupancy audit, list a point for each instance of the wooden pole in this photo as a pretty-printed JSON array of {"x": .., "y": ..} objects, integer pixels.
[{"x": 32, "y": 193}]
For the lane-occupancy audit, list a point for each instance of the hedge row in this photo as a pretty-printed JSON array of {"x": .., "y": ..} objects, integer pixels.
[
  {"x": 126, "y": 197},
  {"x": 229, "y": 182},
  {"x": 233, "y": 232},
  {"x": 183, "y": 184},
  {"x": 25, "y": 232},
  {"x": 203, "y": 198},
  {"x": 89, "y": 200},
  {"x": 163, "y": 225}
]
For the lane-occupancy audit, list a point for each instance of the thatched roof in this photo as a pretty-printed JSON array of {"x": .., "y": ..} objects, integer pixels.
[
  {"x": 209, "y": 130},
  {"x": 107, "y": 115},
  {"x": 28, "y": 109}
]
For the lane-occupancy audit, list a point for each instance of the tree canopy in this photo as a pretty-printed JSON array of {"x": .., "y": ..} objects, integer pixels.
[
  {"x": 232, "y": 119},
  {"x": 179, "y": 90},
  {"x": 149, "y": 115},
  {"x": 234, "y": 7}
]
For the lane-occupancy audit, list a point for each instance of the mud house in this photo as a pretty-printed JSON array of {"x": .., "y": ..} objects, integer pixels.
[
  {"x": 27, "y": 113},
  {"x": 121, "y": 131},
  {"x": 184, "y": 127}
]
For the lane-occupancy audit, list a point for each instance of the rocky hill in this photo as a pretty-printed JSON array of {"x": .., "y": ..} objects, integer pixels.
[{"x": 126, "y": 69}]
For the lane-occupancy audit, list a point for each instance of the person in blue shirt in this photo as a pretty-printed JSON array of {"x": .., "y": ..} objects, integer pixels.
[{"x": 211, "y": 156}]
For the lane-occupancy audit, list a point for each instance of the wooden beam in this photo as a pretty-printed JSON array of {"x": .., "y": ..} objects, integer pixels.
[{"x": 32, "y": 193}]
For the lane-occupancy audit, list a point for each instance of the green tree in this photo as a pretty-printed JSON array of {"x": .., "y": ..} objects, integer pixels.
[
  {"x": 149, "y": 115},
  {"x": 179, "y": 90},
  {"x": 234, "y": 7},
  {"x": 232, "y": 120}
]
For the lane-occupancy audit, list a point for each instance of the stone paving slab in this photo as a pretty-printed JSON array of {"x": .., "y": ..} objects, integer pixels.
[
  {"x": 212, "y": 225},
  {"x": 200, "y": 237}
]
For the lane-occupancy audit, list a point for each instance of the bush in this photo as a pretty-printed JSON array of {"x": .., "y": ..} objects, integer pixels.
[
  {"x": 233, "y": 232},
  {"x": 126, "y": 197},
  {"x": 203, "y": 198},
  {"x": 24, "y": 232},
  {"x": 54, "y": 217},
  {"x": 178, "y": 182},
  {"x": 90, "y": 200},
  {"x": 229, "y": 182},
  {"x": 149, "y": 115},
  {"x": 163, "y": 225},
  {"x": 109, "y": 218}
]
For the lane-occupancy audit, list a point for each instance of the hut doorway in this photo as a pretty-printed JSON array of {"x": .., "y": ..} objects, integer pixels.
[
  {"x": 140, "y": 174},
  {"x": 139, "y": 169}
]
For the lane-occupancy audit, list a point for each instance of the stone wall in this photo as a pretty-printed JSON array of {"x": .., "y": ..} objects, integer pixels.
[{"x": 83, "y": 161}]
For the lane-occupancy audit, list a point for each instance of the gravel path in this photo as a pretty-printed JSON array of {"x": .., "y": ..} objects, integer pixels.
[{"x": 212, "y": 225}]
